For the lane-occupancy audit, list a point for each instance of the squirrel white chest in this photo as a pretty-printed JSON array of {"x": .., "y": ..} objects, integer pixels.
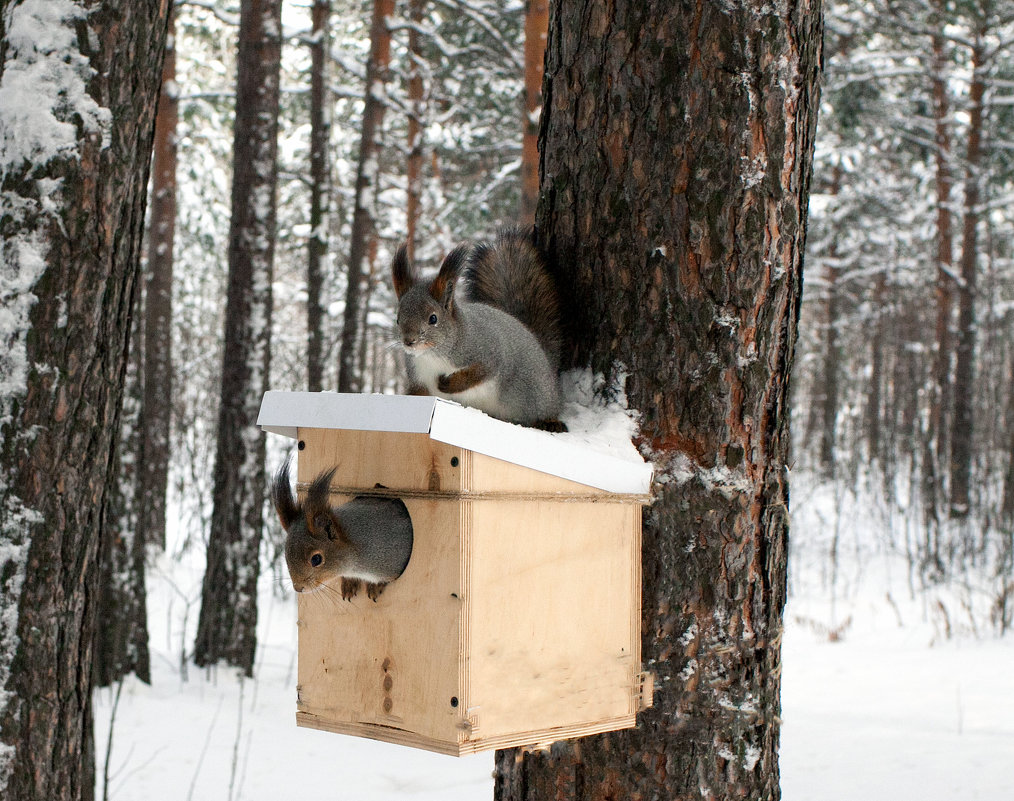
[{"x": 428, "y": 367}]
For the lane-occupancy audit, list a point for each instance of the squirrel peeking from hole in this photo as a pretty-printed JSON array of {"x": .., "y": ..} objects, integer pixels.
[
  {"x": 364, "y": 541},
  {"x": 497, "y": 348}
]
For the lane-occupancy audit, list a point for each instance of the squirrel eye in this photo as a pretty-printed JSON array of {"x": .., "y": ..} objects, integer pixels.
[
  {"x": 433, "y": 319},
  {"x": 317, "y": 560}
]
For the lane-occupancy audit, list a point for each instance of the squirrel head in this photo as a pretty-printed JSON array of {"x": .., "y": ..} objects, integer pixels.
[
  {"x": 427, "y": 315},
  {"x": 315, "y": 541}
]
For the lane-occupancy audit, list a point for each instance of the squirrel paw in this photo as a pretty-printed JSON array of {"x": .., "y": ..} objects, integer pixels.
[
  {"x": 417, "y": 389},
  {"x": 374, "y": 590},
  {"x": 460, "y": 380},
  {"x": 350, "y": 587},
  {"x": 554, "y": 426}
]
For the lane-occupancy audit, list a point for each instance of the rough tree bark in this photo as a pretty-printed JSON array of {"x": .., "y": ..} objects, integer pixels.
[
  {"x": 227, "y": 624},
  {"x": 961, "y": 421},
  {"x": 78, "y": 87},
  {"x": 676, "y": 157},
  {"x": 320, "y": 192},
  {"x": 536, "y": 30},
  {"x": 367, "y": 173}
]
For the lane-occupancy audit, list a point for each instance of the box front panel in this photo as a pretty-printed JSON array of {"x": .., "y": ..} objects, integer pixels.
[
  {"x": 394, "y": 663},
  {"x": 411, "y": 462}
]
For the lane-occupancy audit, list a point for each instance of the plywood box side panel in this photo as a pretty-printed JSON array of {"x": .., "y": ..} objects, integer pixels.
[
  {"x": 367, "y": 458},
  {"x": 553, "y": 641}
]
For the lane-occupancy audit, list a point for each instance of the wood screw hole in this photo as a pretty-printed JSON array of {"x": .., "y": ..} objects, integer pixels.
[
  {"x": 302, "y": 445},
  {"x": 454, "y": 461},
  {"x": 454, "y": 701}
]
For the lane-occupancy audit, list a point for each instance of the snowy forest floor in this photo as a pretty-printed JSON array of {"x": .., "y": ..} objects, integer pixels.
[{"x": 888, "y": 692}]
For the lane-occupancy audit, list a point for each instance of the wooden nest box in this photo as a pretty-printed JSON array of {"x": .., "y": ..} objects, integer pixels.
[{"x": 517, "y": 620}]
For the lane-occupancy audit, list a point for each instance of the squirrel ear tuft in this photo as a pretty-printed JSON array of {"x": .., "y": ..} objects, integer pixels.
[
  {"x": 281, "y": 494},
  {"x": 442, "y": 288},
  {"x": 401, "y": 271},
  {"x": 317, "y": 496}
]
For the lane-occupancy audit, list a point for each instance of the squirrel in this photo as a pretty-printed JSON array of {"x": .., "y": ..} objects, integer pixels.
[
  {"x": 498, "y": 347},
  {"x": 367, "y": 540}
]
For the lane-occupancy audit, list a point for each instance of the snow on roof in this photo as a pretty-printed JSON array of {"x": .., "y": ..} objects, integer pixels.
[{"x": 584, "y": 456}]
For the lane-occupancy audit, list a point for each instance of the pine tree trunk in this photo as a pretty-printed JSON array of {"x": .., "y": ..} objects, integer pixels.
[
  {"x": 536, "y": 30},
  {"x": 320, "y": 188},
  {"x": 934, "y": 437},
  {"x": 153, "y": 474},
  {"x": 121, "y": 640},
  {"x": 72, "y": 196},
  {"x": 227, "y": 624},
  {"x": 832, "y": 350},
  {"x": 367, "y": 175},
  {"x": 1007, "y": 504},
  {"x": 676, "y": 157},
  {"x": 961, "y": 430},
  {"x": 831, "y": 370},
  {"x": 874, "y": 402},
  {"x": 940, "y": 386},
  {"x": 413, "y": 172}
]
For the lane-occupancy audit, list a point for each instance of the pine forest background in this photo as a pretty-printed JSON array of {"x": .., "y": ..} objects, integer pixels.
[
  {"x": 903, "y": 384},
  {"x": 469, "y": 117},
  {"x": 903, "y": 378}
]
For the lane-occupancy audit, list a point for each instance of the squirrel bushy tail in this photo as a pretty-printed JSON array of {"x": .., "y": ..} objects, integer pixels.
[{"x": 510, "y": 274}]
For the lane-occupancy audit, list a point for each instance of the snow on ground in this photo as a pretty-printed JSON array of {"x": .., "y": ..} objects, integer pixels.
[
  {"x": 881, "y": 714},
  {"x": 889, "y": 691},
  {"x": 878, "y": 702},
  {"x": 216, "y": 736}
]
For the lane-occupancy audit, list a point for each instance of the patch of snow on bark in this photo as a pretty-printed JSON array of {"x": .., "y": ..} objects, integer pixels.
[{"x": 44, "y": 86}]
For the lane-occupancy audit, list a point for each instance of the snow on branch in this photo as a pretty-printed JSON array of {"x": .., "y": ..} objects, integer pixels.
[
  {"x": 481, "y": 18},
  {"x": 230, "y": 16}
]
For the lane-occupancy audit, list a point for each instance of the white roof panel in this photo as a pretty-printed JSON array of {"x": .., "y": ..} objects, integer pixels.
[{"x": 563, "y": 455}]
